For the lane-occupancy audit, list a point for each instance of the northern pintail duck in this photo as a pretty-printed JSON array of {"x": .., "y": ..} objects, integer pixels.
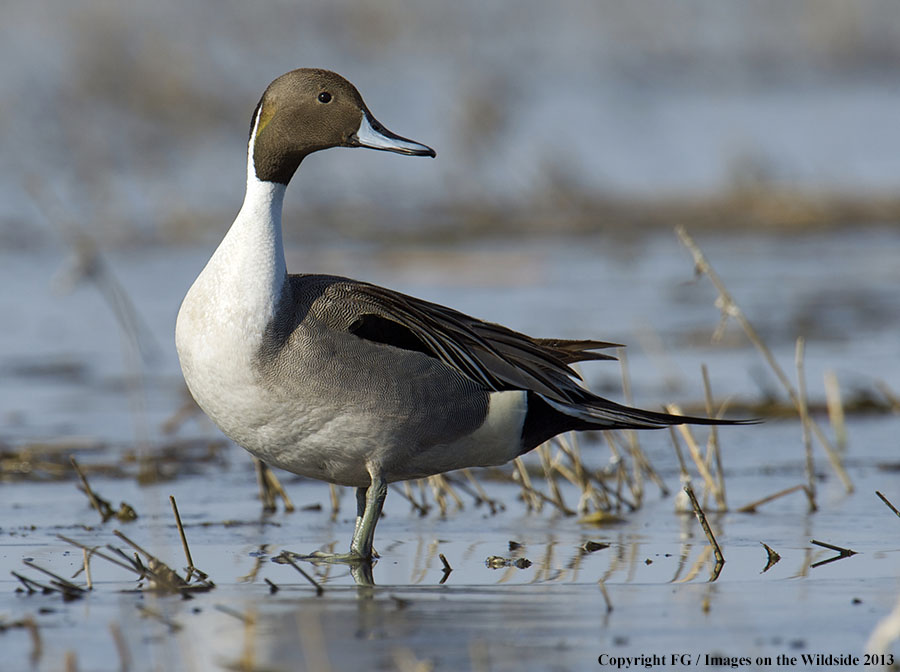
[{"x": 351, "y": 383}]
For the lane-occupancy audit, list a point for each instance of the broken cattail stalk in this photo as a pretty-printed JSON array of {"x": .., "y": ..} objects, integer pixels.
[
  {"x": 617, "y": 496},
  {"x": 557, "y": 467},
  {"x": 478, "y": 495},
  {"x": 544, "y": 453},
  {"x": 631, "y": 438},
  {"x": 441, "y": 488},
  {"x": 133, "y": 544},
  {"x": 720, "y": 559},
  {"x": 447, "y": 484},
  {"x": 100, "y": 505},
  {"x": 643, "y": 462},
  {"x": 713, "y": 453},
  {"x": 279, "y": 490},
  {"x": 532, "y": 501},
  {"x": 408, "y": 495},
  {"x": 334, "y": 494},
  {"x": 565, "y": 472},
  {"x": 184, "y": 543},
  {"x": 889, "y": 505},
  {"x": 32, "y": 586},
  {"x": 579, "y": 476},
  {"x": 752, "y": 506},
  {"x": 618, "y": 467},
  {"x": 266, "y": 496},
  {"x": 729, "y": 308},
  {"x": 422, "y": 483},
  {"x": 694, "y": 449},
  {"x": 682, "y": 465},
  {"x": 61, "y": 584},
  {"x": 641, "y": 458},
  {"x": 541, "y": 498},
  {"x": 835, "y": 407},
  {"x": 803, "y": 408},
  {"x": 438, "y": 493},
  {"x": 289, "y": 560},
  {"x": 86, "y": 558},
  {"x": 162, "y": 577},
  {"x": 134, "y": 561},
  {"x": 93, "y": 551},
  {"x": 493, "y": 504},
  {"x": 270, "y": 488}
]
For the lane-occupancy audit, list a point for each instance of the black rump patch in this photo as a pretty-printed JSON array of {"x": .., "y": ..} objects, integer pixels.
[
  {"x": 543, "y": 422},
  {"x": 382, "y": 330}
]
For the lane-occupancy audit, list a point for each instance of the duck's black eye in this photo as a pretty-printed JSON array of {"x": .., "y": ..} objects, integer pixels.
[{"x": 324, "y": 97}]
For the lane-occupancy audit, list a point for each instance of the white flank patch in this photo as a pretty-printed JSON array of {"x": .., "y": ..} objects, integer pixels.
[{"x": 499, "y": 439}]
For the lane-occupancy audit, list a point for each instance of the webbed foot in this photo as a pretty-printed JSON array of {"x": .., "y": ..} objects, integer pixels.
[
  {"x": 351, "y": 558},
  {"x": 325, "y": 557}
]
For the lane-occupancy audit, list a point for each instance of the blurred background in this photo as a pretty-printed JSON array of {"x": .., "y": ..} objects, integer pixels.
[
  {"x": 566, "y": 117},
  {"x": 571, "y": 137}
]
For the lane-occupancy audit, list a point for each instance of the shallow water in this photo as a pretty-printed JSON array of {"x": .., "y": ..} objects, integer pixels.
[{"x": 67, "y": 378}]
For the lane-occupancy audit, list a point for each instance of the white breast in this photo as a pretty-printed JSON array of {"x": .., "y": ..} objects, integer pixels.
[{"x": 221, "y": 322}]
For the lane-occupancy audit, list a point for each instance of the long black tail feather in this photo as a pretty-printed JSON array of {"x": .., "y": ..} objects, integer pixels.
[{"x": 546, "y": 418}]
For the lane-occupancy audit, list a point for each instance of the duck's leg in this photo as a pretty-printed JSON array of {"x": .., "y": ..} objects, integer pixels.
[
  {"x": 369, "y": 502},
  {"x": 360, "y": 509}
]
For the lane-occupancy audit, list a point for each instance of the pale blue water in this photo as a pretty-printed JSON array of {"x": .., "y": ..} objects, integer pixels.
[
  {"x": 550, "y": 615},
  {"x": 838, "y": 290}
]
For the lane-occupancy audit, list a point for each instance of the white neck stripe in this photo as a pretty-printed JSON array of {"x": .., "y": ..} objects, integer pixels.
[{"x": 251, "y": 164}]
